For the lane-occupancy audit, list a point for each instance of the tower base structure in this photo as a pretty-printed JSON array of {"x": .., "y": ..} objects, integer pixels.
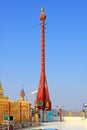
[{"x": 43, "y": 100}]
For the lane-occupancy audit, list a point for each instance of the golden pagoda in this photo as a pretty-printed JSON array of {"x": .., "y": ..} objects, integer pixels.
[
  {"x": 1, "y": 94},
  {"x": 18, "y": 109}
]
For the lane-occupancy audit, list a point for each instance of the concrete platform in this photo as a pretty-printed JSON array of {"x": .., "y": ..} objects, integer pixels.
[{"x": 62, "y": 126}]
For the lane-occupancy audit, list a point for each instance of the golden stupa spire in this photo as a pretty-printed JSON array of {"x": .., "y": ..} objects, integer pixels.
[
  {"x": 1, "y": 90},
  {"x": 22, "y": 95}
]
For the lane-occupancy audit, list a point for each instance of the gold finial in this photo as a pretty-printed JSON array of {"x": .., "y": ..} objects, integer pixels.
[{"x": 42, "y": 10}]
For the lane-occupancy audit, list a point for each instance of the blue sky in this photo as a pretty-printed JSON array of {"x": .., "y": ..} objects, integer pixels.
[{"x": 65, "y": 48}]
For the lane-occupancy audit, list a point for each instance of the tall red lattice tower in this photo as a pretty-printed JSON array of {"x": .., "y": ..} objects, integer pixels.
[{"x": 42, "y": 99}]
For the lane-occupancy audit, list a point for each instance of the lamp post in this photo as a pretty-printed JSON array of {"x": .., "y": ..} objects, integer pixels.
[
  {"x": 60, "y": 110},
  {"x": 84, "y": 108},
  {"x": 33, "y": 93}
]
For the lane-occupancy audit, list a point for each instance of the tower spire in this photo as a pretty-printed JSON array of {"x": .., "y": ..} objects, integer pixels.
[{"x": 43, "y": 100}]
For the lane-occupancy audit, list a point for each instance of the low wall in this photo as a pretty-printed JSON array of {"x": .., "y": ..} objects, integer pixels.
[{"x": 74, "y": 119}]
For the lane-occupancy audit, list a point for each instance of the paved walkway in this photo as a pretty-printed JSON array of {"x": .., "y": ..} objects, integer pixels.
[{"x": 61, "y": 126}]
